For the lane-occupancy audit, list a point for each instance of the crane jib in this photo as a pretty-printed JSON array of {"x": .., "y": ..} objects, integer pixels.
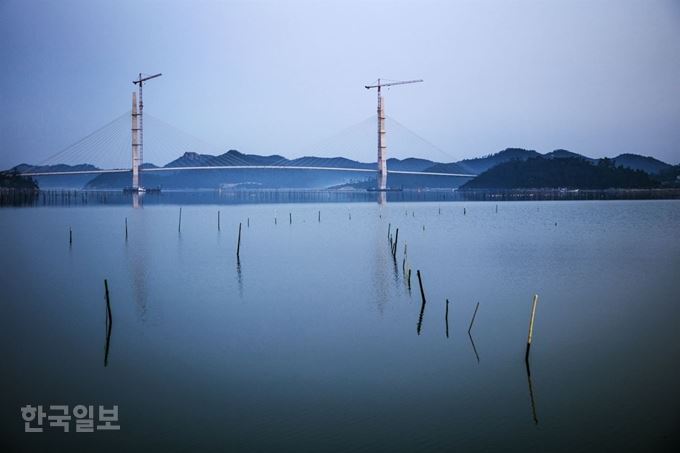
[{"x": 378, "y": 85}]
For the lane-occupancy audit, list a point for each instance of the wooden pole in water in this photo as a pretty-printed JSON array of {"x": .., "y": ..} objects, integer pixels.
[
  {"x": 126, "y": 233},
  {"x": 108, "y": 303},
  {"x": 531, "y": 327},
  {"x": 109, "y": 323},
  {"x": 290, "y": 218},
  {"x": 248, "y": 222},
  {"x": 422, "y": 306},
  {"x": 319, "y": 216},
  {"x": 179, "y": 224},
  {"x": 409, "y": 278},
  {"x": 238, "y": 244},
  {"x": 218, "y": 220},
  {"x": 394, "y": 247},
  {"x": 70, "y": 236},
  {"x": 446, "y": 318},
  {"x": 473, "y": 317}
]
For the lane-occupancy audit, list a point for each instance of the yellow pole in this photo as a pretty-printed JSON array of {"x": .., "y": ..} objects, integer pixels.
[{"x": 531, "y": 326}]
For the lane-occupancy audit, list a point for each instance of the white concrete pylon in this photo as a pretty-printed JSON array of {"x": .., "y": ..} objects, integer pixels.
[
  {"x": 135, "y": 144},
  {"x": 382, "y": 145}
]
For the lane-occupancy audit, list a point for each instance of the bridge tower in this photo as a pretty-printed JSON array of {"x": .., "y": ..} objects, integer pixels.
[
  {"x": 136, "y": 159},
  {"x": 382, "y": 145},
  {"x": 138, "y": 126}
]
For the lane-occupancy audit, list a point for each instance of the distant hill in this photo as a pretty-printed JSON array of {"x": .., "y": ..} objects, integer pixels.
[
  {"x": 263, "y": 178},
  {"x": 26, "y": 168},
  {"x": 565, "y": 154},
  {"x": 280, "y": 178},
  {"x": 647, "y": 164},
  {"x": 571, "y": 173},
  {"x": 58, "y": 181},
  {"x": 481, "y": 164},
  {"x": 410, "y": 164}
]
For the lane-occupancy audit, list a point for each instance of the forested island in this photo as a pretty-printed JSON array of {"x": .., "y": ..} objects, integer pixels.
[
  {"x": 14, "y": 180},
  {"x": 570, "y": 173}
]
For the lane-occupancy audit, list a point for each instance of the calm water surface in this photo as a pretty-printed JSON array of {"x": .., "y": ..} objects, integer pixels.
[{"x": 310, "y": 342}]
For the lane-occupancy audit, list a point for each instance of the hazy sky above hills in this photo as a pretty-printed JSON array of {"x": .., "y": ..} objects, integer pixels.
[{"x": 596, "y": 77}]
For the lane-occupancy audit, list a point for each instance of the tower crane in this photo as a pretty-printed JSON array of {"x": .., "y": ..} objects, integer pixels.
[
  {"x": 382, "y": 146},
  {"x": 138, "y": 132}
]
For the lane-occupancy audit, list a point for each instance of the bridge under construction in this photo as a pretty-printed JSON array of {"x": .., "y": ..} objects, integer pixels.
[{"x": 136, "y": 140}]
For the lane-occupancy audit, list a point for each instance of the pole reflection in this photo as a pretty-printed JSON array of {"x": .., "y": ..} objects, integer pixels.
[{"x": 531, "y": 393}]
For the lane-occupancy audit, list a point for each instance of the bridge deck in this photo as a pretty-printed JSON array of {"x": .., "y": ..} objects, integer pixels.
[{"x": 241, "y": 167}]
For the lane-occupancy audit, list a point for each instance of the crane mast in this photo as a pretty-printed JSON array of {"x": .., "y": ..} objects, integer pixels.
[{"x": 382, "y": 145}]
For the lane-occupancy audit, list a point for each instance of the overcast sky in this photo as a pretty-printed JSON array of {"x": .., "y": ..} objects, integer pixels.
[{"x": 596, "y": 77}]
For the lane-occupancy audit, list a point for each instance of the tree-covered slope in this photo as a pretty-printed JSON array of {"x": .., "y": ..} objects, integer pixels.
[{"x": 572, "y": 173}]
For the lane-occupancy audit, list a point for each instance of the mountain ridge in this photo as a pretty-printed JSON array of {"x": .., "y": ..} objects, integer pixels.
[{"x": 233, "y": 157}]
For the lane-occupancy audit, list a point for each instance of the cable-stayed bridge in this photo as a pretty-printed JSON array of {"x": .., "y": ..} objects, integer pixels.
[
  {"x": 119, "y": 147},
  {"x": 107, "y": 150}
]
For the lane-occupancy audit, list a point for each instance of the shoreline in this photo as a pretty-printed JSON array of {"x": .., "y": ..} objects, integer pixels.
[{"x": 58, "y": 197}]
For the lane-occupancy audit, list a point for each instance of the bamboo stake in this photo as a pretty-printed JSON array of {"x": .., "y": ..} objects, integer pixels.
[
  {"x": 218, "y": 220},
  {"x": 108, "y": 303},
  {"x": 531, "y": 327},
  {"x": 422, "y": 306},
  {"x": 238, "y": 245},
  {"x": 446, "y": 318},
  {"x": 126, "y": 231},
  {"x": 109, "y": 325},
  {"x": 179, "y": 224},
  {"x": 70, "y": 236}
]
